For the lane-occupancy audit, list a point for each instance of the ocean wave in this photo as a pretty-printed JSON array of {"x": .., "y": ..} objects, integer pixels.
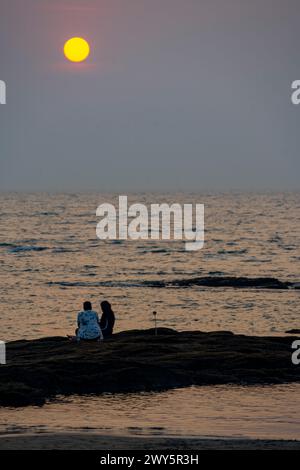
[
  {"x": 62, "y": 249},
  {"x": 46, "y": 214},
  {"x": 18, "y": 249},
  {"x": 233, "y": 252},
  {"x": 155, "y": 250},
  {"x": 94, "y": 284},
  {"x": 166, "y": 251}
]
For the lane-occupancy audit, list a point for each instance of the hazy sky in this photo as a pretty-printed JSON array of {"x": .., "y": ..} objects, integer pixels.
[{"x": 176, "y": 95}]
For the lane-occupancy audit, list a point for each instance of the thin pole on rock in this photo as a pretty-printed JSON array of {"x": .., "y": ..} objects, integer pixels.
[{"x": 155, "y": 322}]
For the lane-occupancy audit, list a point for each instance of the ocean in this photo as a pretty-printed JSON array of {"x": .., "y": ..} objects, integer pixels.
[{"x": 51, "y": 261}]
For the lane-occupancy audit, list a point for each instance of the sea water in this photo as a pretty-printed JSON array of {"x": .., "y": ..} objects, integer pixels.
[{"x": 51, "y": 261}]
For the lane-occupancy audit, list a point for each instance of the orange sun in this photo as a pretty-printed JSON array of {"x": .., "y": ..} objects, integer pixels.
[{"x": 76, "y": 49}]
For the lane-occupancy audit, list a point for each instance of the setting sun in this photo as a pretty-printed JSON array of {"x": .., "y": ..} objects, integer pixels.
[{"x": 76, "y": 49}]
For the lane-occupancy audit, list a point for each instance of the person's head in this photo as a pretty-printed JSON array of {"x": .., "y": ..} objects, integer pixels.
[
  {"x": 87, "y": 306},
  {"x": 105, "y": 306}
]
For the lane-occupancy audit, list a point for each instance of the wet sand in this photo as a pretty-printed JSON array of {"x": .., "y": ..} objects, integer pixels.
[{"x": 64, "y": 441}]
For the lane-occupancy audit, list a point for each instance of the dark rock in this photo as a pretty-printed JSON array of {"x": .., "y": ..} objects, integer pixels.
[
  {"x": 225, "y": 281},
  {"x": 134, "y": 361}
]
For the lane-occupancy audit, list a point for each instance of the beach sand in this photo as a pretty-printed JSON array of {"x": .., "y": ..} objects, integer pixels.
[{"x": 65, "y": 441}]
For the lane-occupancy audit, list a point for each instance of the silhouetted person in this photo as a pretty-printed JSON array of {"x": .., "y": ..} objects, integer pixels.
[
  {"x": 107, "y": 319},
  {"x": 88, "y": 324}
]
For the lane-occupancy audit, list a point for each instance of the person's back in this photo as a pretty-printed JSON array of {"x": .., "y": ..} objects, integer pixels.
[
  {"x": 88, "y": 324},
  {"x": 107, "y": 319}
]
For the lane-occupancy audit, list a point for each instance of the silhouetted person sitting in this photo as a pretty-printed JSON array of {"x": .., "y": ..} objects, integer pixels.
[
  {"x": 88, "y": 324},
  {"x": 107, "y": 319}
]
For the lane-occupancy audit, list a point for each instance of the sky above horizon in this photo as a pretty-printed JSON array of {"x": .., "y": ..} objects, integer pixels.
[{"x": 177, "y": 95}]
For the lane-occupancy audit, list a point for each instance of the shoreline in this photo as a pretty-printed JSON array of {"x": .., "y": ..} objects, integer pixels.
[{"x": 83, "y": 441}]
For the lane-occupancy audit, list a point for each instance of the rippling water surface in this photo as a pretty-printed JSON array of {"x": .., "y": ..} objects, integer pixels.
[
  {"x": 48, "y": 241},
  {"x": 51, "y": 261},
  {"x": 229, "y": 411}
]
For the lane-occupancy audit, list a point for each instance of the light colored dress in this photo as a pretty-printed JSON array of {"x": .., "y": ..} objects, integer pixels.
[{"x": 88, "y": 325}]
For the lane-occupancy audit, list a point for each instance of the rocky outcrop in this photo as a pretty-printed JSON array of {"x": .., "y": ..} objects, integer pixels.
[
  {"x": 135, "y": 361},
  {"x": 226, "y": 281}
]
